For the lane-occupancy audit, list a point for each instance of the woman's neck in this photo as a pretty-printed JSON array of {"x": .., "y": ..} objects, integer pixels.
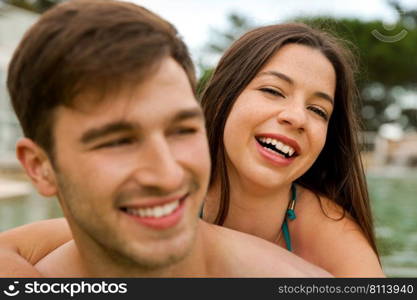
[{"x": 252, "y": 209}]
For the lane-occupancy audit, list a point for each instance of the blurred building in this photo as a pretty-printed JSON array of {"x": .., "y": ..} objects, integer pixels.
[
  {"x": 391, "y": 146},
  {"x": 13, "y": 24}
]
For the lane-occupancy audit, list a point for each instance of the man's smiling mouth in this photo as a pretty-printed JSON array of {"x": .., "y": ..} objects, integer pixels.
[
  {"x": 158, "y": 214},
  {"x": 155, "y": 211}
]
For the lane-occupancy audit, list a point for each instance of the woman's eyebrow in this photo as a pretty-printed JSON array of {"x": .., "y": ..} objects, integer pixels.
[
  {"x": 277, "y": 74},
  {"x": 324, "y": 96},
  {"x": 286, "y": 78}
]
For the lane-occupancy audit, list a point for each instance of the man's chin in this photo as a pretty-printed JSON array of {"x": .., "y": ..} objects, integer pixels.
[
  {"x": 162, "y": 254},
  {"x": 154, "y": 249}
]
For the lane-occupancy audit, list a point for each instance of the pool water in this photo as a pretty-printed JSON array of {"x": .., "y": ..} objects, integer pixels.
[{"x": 394, "y": 202}]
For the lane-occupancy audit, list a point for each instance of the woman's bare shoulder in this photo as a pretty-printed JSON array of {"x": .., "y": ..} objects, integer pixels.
[
  {"x": 243, "y": 255},
  {"x": 328, "y": 236}
]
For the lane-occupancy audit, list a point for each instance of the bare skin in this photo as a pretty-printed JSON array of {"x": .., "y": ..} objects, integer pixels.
[
  {"x": 21, "y": 249},
  {"x": 322, "y": 244},
  {"x": 123, "y": 150},
  {"x": 319, "y": 234},
  {"x": 59, "y": 257},
  {"x": 135, "y": 150},
  {"x": 326, "y": 238}
]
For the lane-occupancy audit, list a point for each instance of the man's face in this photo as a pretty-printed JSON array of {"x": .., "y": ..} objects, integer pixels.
[{"x": 133, "y": 169}]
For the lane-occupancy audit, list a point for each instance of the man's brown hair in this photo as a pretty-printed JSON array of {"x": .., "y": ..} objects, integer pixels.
[{"x": 82, "y": 45}]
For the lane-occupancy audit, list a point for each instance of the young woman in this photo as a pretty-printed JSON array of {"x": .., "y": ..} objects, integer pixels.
[{"x": 282, "y": 130}]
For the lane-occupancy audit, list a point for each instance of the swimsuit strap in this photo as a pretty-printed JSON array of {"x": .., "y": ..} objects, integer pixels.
[
  {"x": 290, "y": 215},
  {"x": 201, "y": 212}
]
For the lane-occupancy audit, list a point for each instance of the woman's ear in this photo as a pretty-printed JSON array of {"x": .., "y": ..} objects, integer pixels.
[{"x": 37, "y": 166}]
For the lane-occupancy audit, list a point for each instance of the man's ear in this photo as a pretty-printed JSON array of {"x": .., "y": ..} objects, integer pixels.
[{"x": 37, "y": 166}]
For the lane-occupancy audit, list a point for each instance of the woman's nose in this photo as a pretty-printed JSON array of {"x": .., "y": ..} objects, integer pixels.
[{"x": 293, "y": 114}]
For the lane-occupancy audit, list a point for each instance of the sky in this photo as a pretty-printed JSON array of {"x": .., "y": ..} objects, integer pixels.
[{"x": 195, "y": 18}]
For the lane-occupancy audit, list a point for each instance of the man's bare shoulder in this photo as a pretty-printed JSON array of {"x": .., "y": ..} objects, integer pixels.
[{"x": 242, "y": 255}]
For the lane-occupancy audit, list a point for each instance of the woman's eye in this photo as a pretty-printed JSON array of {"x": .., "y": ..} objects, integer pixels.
[
  {"x": 185, "y": 130},
  {"x": 320, "y": 112},
  {"x": 117, "y": 143},
  {"x": 272, "y": 92}
]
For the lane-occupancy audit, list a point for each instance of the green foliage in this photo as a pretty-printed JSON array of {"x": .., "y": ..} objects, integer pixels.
[
  {"x": 204, "y": 78},
  {"x": 383, "y": 66},
  {"x": 390, "y": 64},
  {"x": 237, "y": 25},
  {"x": 218, "y": 43}
]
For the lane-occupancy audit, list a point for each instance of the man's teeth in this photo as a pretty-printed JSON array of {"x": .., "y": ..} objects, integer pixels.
[
  {"x": 278, "y": 145},
  {"x": 154, "y": 212}
]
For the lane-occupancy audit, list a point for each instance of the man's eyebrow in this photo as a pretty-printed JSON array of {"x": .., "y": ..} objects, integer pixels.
[
  {"x": 121, "y": 126},
  {"x": 191, "y": 113},
  {"x": 290, "y": 81},
  {"x": 111, "y": 128}
]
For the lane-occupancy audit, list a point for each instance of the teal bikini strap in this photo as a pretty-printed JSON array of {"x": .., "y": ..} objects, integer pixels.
[{"x": 290, "y": 215}]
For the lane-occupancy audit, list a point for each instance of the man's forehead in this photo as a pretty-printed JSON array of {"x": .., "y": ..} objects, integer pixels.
[
  {"x": 154, "y": 92},
  {"x": 164, "y": 94},
  {"x": 135, "y": 111}
]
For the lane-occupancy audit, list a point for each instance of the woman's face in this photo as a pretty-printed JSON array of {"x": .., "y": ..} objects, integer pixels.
[{"x": 278, "y": 124}]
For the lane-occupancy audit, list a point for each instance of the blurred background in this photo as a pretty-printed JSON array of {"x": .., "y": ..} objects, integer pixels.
[{"x": 383, "y": 35}]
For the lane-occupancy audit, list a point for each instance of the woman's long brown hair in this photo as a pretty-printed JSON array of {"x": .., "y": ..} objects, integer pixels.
[{"x": 338, "y": 172}]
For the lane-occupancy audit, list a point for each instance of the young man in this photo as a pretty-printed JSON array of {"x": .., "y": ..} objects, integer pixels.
[{"x": 104, "y": 93}]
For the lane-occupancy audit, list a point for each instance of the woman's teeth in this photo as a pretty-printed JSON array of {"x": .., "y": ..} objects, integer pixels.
[
  {"x": 288, "y": 151},
  {"x": 154, "y": 212}
]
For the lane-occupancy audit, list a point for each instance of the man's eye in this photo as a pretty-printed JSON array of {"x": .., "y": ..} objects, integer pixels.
[
  {"x": 272, "y": 92},
  {"x": 320, "y": 112},
  {"x": 117, "y": 143}
]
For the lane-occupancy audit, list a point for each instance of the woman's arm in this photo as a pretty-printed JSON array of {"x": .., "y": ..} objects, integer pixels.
[
  {"x": 336, "y": 244},
  {"x": 345, "y": 251},
  {"x": 22, "y": 247}
]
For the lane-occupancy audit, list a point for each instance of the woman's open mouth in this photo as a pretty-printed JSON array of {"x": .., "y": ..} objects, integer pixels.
[{"x": 276, "y": 147}]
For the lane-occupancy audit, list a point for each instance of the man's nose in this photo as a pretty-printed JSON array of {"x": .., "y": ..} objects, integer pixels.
[{"x": 159, "y": 168}]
